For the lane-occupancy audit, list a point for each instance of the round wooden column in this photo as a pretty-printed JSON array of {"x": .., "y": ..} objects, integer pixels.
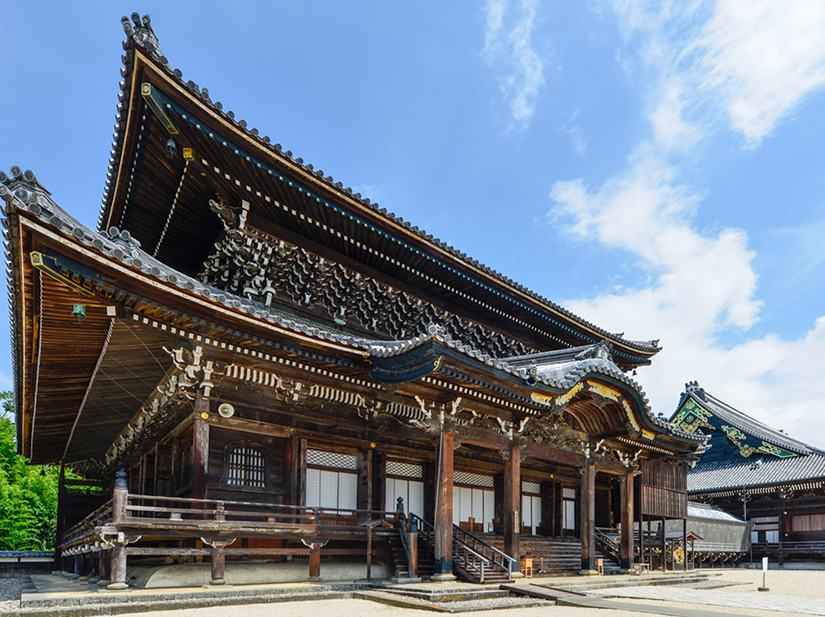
[{"x": 443, "y": 566}]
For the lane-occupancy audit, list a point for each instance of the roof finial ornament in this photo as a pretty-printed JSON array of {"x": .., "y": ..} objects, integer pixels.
[
  {"x": 141, "y": 33},
  {"x": 693, "y": 387}
]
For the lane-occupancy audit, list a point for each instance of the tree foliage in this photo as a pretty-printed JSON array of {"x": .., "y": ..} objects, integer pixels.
[{"x": 28, "y": 493}]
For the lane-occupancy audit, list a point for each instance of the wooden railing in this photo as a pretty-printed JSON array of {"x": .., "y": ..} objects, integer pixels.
[
  {"x": 181, "y": 511},
  {"x": 86, "y": 527},
  {"x": 472, "y": 556},
  {"x": 703, "y": 546},
  {"x": 604, "y": 538},
  {"x": 162, "y": 513},
  {"x": 791, "y": 546}
]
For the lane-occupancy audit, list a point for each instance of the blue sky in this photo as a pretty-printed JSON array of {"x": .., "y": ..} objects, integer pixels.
[{"x": 655, "y": 167}]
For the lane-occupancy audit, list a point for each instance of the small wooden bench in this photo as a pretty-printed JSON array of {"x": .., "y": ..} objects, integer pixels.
[{"x": 640, "y": 568}]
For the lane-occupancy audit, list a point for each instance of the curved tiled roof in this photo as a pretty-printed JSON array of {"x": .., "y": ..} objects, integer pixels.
[
  {"x": 142, "y": 35},
  {"x": 554, "y": 369},
  {"x": 766, "y": 471}
]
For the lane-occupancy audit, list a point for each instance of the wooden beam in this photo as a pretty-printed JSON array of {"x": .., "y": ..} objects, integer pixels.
[{"x": 553, "y": 455}]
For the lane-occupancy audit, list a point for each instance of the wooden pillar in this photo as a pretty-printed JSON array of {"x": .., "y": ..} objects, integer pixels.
[
  {"x": 301, "y": 473},
  {"x": 588, "y": 517},
  {"x": 498, "y": 501},
  {"x": 105, "y": 559},
  {"x": 314, "y": 564},
  {"x": 626, "y": 505},
  {"x": 61, "y": 509},
  {"x": 176, "y": 467},
  {"x": 558, "y": 506},
  {"x": 379, "y": 482},
  {"x": 200, "y": 451},
  {"x": 664, "y": 546},
  {"x": 684, "y": 545},
  {"x": 512, "y": 503},
  {"x": 364, "y": 483},
  {"x": 118, "y": 569},
  {"x": 443, "y": 566},
  {"x": 94, "y": 566},
  {"x": 218, "y": 564}
]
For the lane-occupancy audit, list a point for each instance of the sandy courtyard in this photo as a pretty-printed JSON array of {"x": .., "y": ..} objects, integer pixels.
[{"x": 797, "y": 584}]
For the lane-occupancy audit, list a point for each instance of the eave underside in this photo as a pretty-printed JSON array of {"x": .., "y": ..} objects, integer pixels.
[{"x": 149, "y": 181}]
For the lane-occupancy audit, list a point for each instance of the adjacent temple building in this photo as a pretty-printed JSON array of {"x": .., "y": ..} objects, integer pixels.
[
  {"x": 759, "y": 474},
  {"x": 246, "y": 359}
]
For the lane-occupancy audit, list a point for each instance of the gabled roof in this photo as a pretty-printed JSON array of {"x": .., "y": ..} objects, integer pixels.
[
  {"x": 553, "y": 373},
  {"x": 479, "y": 288},
  {"x": 737, "y": 419},
  {"x": 744, "y": 452}
]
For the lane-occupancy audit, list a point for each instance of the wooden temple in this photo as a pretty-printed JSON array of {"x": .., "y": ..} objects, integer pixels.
[
  {"x": 248, "y": 359},
  {"x": 760, "y": 474}
]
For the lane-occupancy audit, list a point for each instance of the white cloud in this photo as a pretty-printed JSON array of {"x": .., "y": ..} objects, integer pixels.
[
  {"x": 737, "y": 64},
  {"x": 577, "y": 137},
  {"x": 747, "y": 62},
  {"x": 702, "y": 285},
  {"x": 508, "y": 50},
  {"x": 761, "y": 58}
]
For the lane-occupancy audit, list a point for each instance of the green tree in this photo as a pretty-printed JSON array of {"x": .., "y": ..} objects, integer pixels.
[{"x": 28, "y": 493}]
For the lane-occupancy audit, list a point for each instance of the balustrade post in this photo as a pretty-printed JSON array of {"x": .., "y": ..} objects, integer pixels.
[
  {"x": 220, "y": 512},
  {"x": 412, "y": 545},
  {"x": 400, "y": 517},
  {"x": 119, "y": 497}
]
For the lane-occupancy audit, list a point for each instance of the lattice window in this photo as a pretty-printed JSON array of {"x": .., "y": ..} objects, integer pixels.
[
  {"x": 404, "y": 470},
  {"x": 334, "y": 460},
  {"x": 568, "y": 493},
  {"x": 530, "y": 488},
  {"x": 246, "y": 466},
  {"x": 472, "y": 479}
]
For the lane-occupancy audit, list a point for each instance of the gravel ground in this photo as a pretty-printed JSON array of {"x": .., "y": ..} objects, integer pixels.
[{"x": 10, "y": 589}]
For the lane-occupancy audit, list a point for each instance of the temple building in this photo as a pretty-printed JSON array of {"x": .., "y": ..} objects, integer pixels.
[
  {"x": 247, "y": 359},
  {"x": 759, "y": 474}
]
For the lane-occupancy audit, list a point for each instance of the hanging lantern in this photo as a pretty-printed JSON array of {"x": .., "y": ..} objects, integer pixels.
[{"x": 79, "y": 311}]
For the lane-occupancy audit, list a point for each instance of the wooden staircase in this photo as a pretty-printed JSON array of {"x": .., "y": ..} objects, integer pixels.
[
  {"x": 550, "y": 555},
  {"x": 401, "y": 567},
  {"x": 474, "y": 559}
]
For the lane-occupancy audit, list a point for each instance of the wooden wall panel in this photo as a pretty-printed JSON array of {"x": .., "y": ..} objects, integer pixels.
[{"x": 663, "y": 489}]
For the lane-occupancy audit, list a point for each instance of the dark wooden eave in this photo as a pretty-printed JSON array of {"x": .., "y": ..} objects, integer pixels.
[{"x": 146, "y": 180}]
